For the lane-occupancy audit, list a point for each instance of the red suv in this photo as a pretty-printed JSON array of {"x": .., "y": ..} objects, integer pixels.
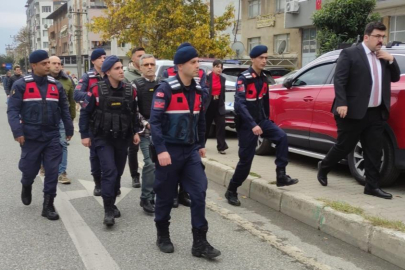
[{"x": 302, "y": 108}]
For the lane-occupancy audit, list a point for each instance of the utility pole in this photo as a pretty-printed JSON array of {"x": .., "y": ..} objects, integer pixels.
[
  {"x": 78, "y": 34},
  {"x": 211, "y": 18}
]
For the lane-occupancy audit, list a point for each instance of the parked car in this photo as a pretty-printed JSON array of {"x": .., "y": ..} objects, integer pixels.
[
  {"x": 282, "y": 79},
  {"x": 302, "y": 108}
]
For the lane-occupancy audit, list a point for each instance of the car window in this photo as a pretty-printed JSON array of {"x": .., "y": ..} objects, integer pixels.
[
  {"x": 401, "y": 62},
  {"x": 161, "y": 70},
  {"x": 233, "y": 71},
  {"x": 315, "y": 76},
  {"x": 278, "y": 72}
]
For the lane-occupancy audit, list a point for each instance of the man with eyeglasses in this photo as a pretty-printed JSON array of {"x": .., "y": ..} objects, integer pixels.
[
  {"x": 145, "y": 88},
  {"x": 362, "y": 83}
]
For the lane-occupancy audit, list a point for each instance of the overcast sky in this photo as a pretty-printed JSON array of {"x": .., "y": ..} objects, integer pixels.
[{"x": 12, "y": 18}]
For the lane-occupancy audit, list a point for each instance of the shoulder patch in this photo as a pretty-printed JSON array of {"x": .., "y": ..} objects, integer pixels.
[
  {"x": 159, "y": 105},
  {"x": 160, "y": 94},
  {"x": 240, "y": 88}
]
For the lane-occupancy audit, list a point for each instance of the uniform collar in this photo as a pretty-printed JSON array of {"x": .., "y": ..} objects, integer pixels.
[
  {"x": 193, "y": 83},
  {"x": 40, "y": 80},
  {"x": 253, "y": 72},
  {"x": 107, "y": 81}
]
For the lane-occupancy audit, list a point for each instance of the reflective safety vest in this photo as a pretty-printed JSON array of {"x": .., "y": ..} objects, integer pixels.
[
  {"x": 114, "y": 115},
  {"x": 254, "y": 97},
  {"x": 38, "y": 110},
  {"x": 180, "y": 122},
  {"x": 93, "y": 79},
  {"x": 171, "y": 72}
]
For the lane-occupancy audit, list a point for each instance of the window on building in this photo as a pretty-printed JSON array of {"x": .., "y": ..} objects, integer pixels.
[
  {"x": 101, "y": 44},
  {"x": 45, "y": 45},
  {"x": 397, "y": 28},
  {"x": 254, "y": 8},
  {"x": 65, "y": 50},
  {"x": 49, "y": 22},
  {"x": 252, "y": 42},
  {"x": 309, "y": 40},
  {"x": 46, "y": 8},
  {"x": 45, "y": 33},
  {"x": 278, "y": 39},
  {"x": 280, "y": 5}
]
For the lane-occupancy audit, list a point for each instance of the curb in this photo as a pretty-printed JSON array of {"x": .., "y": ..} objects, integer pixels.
[{"x": 384, "y": 243}]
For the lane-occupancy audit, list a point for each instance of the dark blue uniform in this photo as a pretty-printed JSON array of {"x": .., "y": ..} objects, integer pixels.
[
  {"x": 252, "y": 107},
  {"x": 82, "y": 88},
  {"x": 178, "y": 127},
  {"x": 35, "y": 113},
  {"x": 112, "y": 152},
  {"x": 201, "y": 79}
]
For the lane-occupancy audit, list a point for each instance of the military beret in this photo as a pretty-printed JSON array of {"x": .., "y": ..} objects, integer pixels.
[
  {"x": 97, "y": 53},
  {"x": 185, "y": 54},
  {"x": 182, "y": 45},
  {"x": 257, "y": 51},
  {"x": 38, "y": 56},
  {"x": 109, "y": 63}
]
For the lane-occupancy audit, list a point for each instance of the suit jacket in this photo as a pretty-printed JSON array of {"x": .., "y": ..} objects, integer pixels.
[
  {"x": 221, "y": 107},
  {"x": 353, "y": 82}
]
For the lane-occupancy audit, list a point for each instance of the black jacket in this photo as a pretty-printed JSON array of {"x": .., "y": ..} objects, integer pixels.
[
  {"x": 221, "y": 107},
  {"x": 353, "y": 82},
  {"x": 12, "y": 80}
]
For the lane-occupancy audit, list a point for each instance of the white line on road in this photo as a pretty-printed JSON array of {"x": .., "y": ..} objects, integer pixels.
[
  {"x": 91, "y": 250},
  {"x": 270, "y": 238}
]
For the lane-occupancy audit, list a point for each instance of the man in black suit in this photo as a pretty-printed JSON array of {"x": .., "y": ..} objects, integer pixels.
[{"x": 362, "y": 83}]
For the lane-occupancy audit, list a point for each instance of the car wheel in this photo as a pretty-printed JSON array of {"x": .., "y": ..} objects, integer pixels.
[
  {"x": 388, "y": 172},
  {"x": 264, "y": 147}
]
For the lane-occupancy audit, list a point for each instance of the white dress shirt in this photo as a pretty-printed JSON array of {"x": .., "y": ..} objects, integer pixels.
[{"x": 369, "y": 57}]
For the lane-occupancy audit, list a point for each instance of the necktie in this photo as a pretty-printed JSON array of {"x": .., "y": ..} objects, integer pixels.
[{"x": 376, "y": 90}]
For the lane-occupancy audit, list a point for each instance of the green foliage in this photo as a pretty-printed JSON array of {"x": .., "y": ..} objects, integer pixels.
[
  {"x": 161, "y": 25},
  {"x": 341, "y": 21}
]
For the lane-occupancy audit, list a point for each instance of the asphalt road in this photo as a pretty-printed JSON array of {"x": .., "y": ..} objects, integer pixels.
[{"x": 249, "y": 237}]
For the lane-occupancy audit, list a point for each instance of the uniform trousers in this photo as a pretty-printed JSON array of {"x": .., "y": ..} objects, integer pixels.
[
  {"x": 187, "y": 168},
  {"x": 33, "y": 153}
]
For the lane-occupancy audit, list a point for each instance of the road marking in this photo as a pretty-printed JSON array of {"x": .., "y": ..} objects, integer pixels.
[
  {"x": 91, "y": 250},
  {"x": 89, "y": 186},
  {"x": 270, "y": 238}
]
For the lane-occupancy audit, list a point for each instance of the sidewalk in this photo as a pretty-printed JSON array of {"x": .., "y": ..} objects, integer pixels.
[{"x": 302, "y": 202}]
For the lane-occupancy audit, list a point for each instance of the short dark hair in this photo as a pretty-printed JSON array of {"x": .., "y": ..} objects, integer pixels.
[
  {"x": 17, "y": 66},
  {"x": 217, "y": 62},
  {"x": 374, "y": 25},
  {"x": 137, "y": 49}
]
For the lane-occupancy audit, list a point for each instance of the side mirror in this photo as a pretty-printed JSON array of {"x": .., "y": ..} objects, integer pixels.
[{"x": 288, "y": 83}]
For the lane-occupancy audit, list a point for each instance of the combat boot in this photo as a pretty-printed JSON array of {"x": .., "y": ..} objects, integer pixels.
[
  {"x": 283, "y": 179},
  {"x": 201, "y": 247},
  {"x": 48, "y": 209},
  {"x": 147, "y": 206},
  {"x": 184, "y": 198},
  {"x": 26, "y": 195},
  {"x": 109, "y": 219},
  {"x": 117, "y": 213},
  {"x": 163, "y": 237},
  {"x": 97, "y": 187}
]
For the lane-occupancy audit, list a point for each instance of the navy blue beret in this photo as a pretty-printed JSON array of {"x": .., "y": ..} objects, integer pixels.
[
  {"x": 38, "y": 56},
  {"x": 182, "y": 45},
  {"x": 97, "y": 53},
  {"x": 185, "y": 54},
  {"x": 109, "y": 63},
  {"x": 257, "y": 51}
]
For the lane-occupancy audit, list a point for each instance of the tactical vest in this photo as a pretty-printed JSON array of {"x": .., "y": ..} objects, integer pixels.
[
  {"x": 114, "y": 115},
  {"x": 171, "y": 73},
  {"x": 37, "y": 110},
  {"x": 180, "y": 122},
  {"x": 145, "y": 96},
  {"x": 254, "y": 98},
  {"x": 93, "y": 79}
]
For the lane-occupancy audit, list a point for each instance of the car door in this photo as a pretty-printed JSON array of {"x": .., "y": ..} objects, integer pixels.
[{"x": 292, "y": 109}]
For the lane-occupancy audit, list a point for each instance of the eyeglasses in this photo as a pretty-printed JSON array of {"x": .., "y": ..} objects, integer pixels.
[
  {"x": 149, "y": 64},
  {"x": 378, "y": 36}
]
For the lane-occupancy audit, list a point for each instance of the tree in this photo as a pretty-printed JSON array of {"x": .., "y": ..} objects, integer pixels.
[
  {"x": 160, "y": 26},
  {"x": 342, "y": 21},
  {"x": 23, "y": 46}
]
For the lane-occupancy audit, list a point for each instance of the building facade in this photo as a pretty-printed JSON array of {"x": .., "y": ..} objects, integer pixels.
[
  {"x": 37, "y": 11},
  {"x": 263, "y": 23}
]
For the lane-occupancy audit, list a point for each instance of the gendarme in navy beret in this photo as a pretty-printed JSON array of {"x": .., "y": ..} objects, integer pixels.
[
  {"x": 97, "y": 53},
  {"x": 38, "y": 56},
  {"x": 185, "y": 54},
  {"x": 257, "y": 51},
  {"x": 109, "y": 63}
]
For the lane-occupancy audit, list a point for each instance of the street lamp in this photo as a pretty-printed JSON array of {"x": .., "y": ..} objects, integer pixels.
[{"x": 78, "y": 34}]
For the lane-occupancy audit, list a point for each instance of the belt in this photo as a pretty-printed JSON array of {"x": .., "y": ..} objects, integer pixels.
[{"x": 216, "y": 97}]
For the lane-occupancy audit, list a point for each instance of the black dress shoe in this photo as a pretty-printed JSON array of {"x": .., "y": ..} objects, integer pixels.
[
  {"x": 232, "y": 197},
  {"x": 284, "y": 179},
  {"x": 176, "y": 202},
  {"x": 184, "y": 199},
  {"x": 322, "y": 176},
  {"x": 135, "y": 182},
  {"x": 26, "y": 196},
  {"x": 147, "y": 206},
  {"x": 378, "y": 193}
]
